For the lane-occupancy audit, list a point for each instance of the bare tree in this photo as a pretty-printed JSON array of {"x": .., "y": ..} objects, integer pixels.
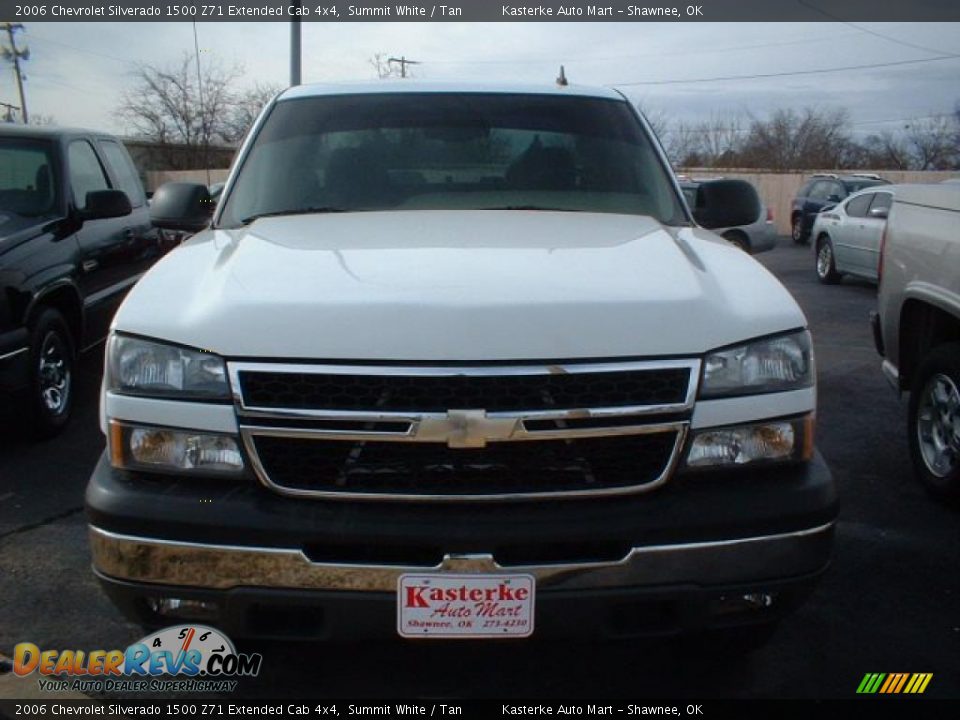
[
  {"x": 246, "y": 107},
  {"x": 791, "y": 140},
  {"x": 657, "y": 120},
  {"x": 383, "y": 67},
  {"x": 886, "y": 151},
  {"x": 933, "y": 143},
  {"x": 167, "y": 105},
  {"x": 683, "y": 145},
  {"x": 720, "y": 139}
]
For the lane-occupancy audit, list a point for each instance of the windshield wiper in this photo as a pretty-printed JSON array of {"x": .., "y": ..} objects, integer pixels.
[{"x": 298, "y": 211}]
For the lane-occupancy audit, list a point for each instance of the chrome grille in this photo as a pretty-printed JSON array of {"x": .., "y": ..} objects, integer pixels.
[{"x": 464, "y": 433}]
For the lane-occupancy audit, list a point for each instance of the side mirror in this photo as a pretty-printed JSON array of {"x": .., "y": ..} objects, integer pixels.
[
  {"x": 880, "y": 213},
  {"x": 726, "y": 203},
  {"x": 181, "y": 206},
  {"x": 828, "y": 207},
  {"x": 834, "y": 198},
  {"x": 106, "y": 204}
]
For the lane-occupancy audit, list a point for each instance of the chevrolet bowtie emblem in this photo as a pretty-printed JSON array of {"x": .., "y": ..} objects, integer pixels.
[{"x": 465, "y": 428}]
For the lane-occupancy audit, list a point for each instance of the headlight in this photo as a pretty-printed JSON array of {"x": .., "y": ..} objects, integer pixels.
[
  {"x": 163, "y": 450},
  {"x": 742, "y": 444},
  {"x": 773, "y": 364},
  {"x": 142, "y": 367}
]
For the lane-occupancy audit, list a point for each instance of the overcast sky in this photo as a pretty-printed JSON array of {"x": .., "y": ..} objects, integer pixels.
[{"x": 77, "y": 71}]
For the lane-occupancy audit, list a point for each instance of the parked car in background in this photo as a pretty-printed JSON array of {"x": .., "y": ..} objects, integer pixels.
[
  {"x": 917, "y": 326},
  {"x": 755, "y": 237},
  {"x": 847, "y": 236},
  {"x": 75, "y": 235},
  {"x": 821, "y": 190}
]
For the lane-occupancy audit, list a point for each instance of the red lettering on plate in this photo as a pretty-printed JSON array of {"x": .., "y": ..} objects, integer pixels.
[{"x": 415, "y": 596}]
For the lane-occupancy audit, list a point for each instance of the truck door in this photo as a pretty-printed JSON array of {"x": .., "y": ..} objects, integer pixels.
[{"x": 107, "y": 257}]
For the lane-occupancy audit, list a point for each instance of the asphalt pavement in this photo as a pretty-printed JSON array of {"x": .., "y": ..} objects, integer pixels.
[{"x": 889, "y": 603}]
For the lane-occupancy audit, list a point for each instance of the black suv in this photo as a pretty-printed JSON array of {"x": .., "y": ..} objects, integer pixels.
[
  {"x": 75, "y": 235},
  {"x": 822, "y": 190}
]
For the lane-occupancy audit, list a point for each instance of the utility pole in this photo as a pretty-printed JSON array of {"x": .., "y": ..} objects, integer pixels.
[
  {"x": 295, "y": 51},
  {"x": 403, "y": 64},
  {"x": 12, "y": 53},
  {"x": 8, "y": 117},
  {"x": 204, "y": 125}
]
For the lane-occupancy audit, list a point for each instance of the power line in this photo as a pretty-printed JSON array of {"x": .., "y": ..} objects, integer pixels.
[
  {"x": 616, "y": 58},
  {"x": 900, "y": 120},
  {"x": 894, "y": 40},
  {"x": 868, "y": 31},
  {"x": 734, "y": 128},
  {"x": 35, "y": 37},
  {"x": 785, "y": 74}
]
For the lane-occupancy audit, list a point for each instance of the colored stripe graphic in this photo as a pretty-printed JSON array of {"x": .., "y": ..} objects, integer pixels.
[{"x": 894, "y": 683}]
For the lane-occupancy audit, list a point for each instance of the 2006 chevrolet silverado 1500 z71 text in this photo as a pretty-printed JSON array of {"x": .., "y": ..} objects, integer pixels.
[
  {"x": 917, "y": 329},
  {"x": 458, "y": 361}
]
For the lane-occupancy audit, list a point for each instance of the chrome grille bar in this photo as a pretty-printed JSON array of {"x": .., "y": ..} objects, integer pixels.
[{"x": 463, "y": 428}]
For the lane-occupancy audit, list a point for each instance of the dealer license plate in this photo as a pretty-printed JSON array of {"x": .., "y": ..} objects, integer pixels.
[{"x": 465, "y": 606}]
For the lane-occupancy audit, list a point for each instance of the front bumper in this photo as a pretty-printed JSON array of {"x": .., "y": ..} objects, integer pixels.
[{"x": 680, "y": 559}]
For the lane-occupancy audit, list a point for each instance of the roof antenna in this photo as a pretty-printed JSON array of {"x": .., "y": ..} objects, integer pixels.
[{"x": 562, "y": 78}]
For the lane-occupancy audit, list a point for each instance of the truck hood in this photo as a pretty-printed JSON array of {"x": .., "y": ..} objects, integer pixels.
[
  {"x": 15, "y": 228},
  {"x": 457, "y": 285}
]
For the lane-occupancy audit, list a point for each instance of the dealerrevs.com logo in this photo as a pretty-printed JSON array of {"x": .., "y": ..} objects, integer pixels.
[{"x": 201, "y": 658}]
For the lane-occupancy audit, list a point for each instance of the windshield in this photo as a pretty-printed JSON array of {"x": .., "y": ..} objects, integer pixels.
[
  {"x": 858, "y": 185},
  {"x": 27, "y": 186},
  {"x": 433, "y": 151}
]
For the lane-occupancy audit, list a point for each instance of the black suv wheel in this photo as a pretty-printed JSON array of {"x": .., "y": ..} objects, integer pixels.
[
  {"x": 796, "y": 230},
  {"x": 48, "y": 400}
]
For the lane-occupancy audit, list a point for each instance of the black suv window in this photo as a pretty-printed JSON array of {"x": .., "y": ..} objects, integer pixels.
[
  {"x": 86, "y": 174},
  {"x": 820, "y": 190},
  {"x": 123, "y": 171},
  {"x": 858, "y": 206},
  {"x": 27, "y": 182},
  {"x": 836, "y": 191},
  {"x": 853, "y": 186}
]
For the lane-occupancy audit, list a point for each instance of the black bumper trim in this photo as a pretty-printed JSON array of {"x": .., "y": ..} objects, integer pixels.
[{"x": 621, "y": 613}]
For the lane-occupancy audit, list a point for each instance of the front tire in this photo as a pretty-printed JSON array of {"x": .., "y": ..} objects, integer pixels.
[
  {"x": 826, "y": 265},
  {"x": 737, "y": 239},
  {"x": 796, "y": 230},
  {"x": 933, "y": 422},
  {"x": 48, "y": 399}
]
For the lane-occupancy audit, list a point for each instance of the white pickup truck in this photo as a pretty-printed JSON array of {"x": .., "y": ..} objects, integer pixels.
[
  {"x": 458, "y": 361},
  {"x": 917, "y": 328}
]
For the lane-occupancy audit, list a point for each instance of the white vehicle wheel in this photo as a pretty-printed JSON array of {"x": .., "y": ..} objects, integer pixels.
[{"x": 826, "y": 267}]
